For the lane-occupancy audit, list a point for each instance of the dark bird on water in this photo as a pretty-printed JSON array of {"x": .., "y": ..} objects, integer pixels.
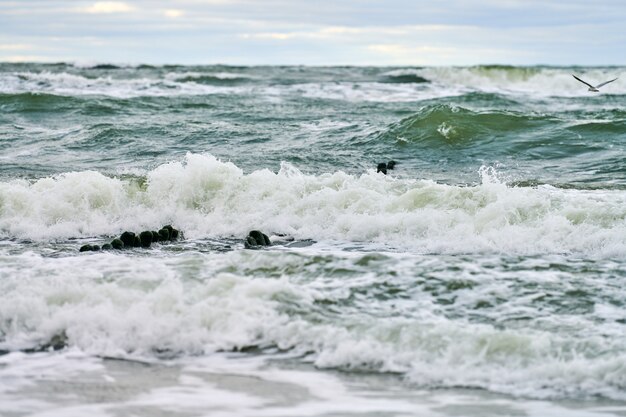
[{"x": 383, "y": 167}]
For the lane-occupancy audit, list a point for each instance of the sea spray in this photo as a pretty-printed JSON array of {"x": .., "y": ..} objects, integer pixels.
[{"x": 209, "y": 198}]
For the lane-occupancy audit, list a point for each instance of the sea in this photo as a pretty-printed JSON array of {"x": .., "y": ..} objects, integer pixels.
[{"x": 484, "y": 275}]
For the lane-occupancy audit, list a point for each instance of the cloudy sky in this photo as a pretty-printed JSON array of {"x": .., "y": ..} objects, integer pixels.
[{"x": 315, "y": 32}]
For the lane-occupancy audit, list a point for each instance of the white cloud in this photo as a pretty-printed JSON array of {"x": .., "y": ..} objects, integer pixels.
[
  {"x": 14, "y": 47},
  {"x": 389, "y": 32},
  {"x": 355, "y": 33},
  {"x": 412, "y": 54},
  {"x": 402, "y": 50},
  {"x": 106, "y": 7},
  {"x": 173, "y": 13},
  {"x": 271, "y": 35}
]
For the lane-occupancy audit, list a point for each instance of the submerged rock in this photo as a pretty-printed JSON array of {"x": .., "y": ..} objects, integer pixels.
[
  {"x": 146, "y": 238},
  {"x": 89, "y": 248},
  {"x": 164, "y": 234},
  {"x": 128, "y": 238},
  {"x": 256, "y": 238},
  {"x": 174, "y": 233},
  {"x": 56, "y": 342}
]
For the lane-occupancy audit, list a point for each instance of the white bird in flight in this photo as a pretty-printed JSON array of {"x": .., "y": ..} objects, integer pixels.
[{"x": 591, "y": 87}]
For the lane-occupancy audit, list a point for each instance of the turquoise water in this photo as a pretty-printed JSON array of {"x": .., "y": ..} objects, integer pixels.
[{"x": 484, "y": 275}]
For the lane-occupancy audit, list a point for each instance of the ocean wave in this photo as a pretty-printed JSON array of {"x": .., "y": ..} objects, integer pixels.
[
  {"x": 209, "y": 198},
  {"x": 97, "y": 84},
  {"x": 404, "y": 76},
  {"x": 135, "y": 307},
  {"x": 534, "y": 81},
  {"x": 212, "y": 78},
  {"x": 349, "y": 83},
  {"x": 449, "y": 124},
  {"x": 28, "y": 102}
]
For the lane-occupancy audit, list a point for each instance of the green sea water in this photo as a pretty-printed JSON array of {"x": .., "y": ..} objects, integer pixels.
[
  {"x": 483, "y": 275},
  {"x": 439, "y": 123}
]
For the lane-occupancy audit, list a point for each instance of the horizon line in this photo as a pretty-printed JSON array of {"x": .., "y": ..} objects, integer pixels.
[{"x": 120, "y": 64}]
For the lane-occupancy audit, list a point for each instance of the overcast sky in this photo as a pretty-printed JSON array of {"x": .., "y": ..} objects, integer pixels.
[{"x": 315, "y": 32}]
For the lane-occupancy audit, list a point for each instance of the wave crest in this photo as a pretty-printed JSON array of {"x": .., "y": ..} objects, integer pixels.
[
  {"x": 448, "y": 124},
  {"x": 209, "y": 198}
]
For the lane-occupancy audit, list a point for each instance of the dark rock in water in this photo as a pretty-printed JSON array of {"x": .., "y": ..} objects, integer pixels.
[
  {"x": 257, "y": 238},
  {"x": 128, "y": 238},
  {"x": 164, "y": 234},
  {"x": 173, "y": 232},
  {"x": 382, "y": 167},
  {"x": 143, "y": 239},
  {"x": 57, "y": 342},
  {"x": 85, "y": 248},
  {"x": 391, "y": 164},
  {"x": 146, "y": 238},
  {"x": 250, "y": 242}
]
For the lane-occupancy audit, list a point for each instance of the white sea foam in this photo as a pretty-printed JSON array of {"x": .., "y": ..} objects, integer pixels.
[
  {"x": 231, "y": 387},
  {"x": 541, "y": 82},
  {"x": 443, "y": 82},
  {"x": 371, "y": 91},
  {"x": 67, "y": 84},
  {"x": 191, "y": 75},
  {"x": 208, "y": 198},
  {"x": 198, "y": 303},
  {"x": 116, "y": 305}
]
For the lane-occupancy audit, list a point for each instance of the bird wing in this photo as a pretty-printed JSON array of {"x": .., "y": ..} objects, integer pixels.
[
  {"x": 606, "y": 82},
  {"x": 584, "y": 82}
]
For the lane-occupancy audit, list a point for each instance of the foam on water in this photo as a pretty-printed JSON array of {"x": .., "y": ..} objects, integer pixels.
[
  {"x": 209, "y": 198},
  {"x": 67, "y": 84},
  {"x": 372, "y": 92},
  {"x": 196, "y": 83},
  {"x": 442, "y": 274},
  {"x": 225, "y": 387},
  {"x": 540, "y": 82},
  {"x": 399, "y": 85},
  {"x": 115, "y": 305}
]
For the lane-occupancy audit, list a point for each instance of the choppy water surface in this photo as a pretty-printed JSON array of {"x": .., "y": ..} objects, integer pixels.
[{"x": 484, "y": 275}]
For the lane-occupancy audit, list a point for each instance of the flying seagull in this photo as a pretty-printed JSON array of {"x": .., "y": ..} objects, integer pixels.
[{"x": 591, "y": 87}]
